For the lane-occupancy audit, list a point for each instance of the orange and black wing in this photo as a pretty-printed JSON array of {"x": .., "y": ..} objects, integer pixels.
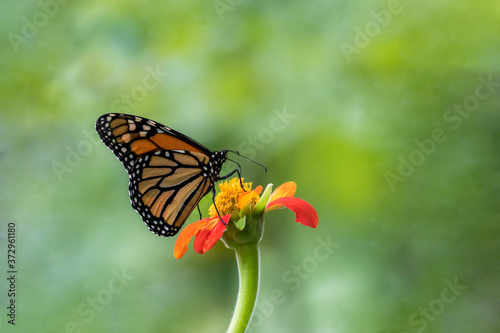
[
  {"x": 165, "y": 186},
  {"x": 131, "y": 136}
]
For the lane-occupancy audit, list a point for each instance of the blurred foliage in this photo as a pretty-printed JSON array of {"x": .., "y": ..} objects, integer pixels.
[{"x": 365, "y": 86}]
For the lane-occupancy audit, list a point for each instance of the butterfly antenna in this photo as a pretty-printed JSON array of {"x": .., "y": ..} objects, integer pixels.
[{"x": 238, "y": 153}]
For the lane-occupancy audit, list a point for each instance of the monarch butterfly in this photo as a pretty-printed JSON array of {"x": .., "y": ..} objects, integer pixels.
[{"x": 169, "y": 172}]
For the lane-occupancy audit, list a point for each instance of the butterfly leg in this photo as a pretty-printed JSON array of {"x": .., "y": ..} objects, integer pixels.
[
  {"x": 213, "y": 200},
  {"x": 199, "y": 211},
  {"x": 238, "y": 171}
]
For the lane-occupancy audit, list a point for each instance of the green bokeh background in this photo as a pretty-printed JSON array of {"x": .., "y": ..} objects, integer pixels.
[{"x": 357, "y": 121}]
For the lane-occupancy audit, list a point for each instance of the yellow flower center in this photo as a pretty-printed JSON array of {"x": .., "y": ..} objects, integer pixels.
[{"x": 227, "y": 198}]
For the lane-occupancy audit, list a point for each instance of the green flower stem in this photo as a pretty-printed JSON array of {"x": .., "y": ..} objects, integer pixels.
[{"x": 247, "y": 256}]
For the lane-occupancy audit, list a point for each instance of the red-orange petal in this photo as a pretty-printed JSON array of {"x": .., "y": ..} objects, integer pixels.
[
  {"x": 304, "y": 212},
  {"x": 287, "y": 189},
  {"x": 210, "y": 234},
  {"x": 185, "y": 237}
]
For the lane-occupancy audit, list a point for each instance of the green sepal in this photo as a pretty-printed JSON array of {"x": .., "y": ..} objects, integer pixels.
[
  {"x": 260, "y": 207},
  {"x": 240, "y": 224}
]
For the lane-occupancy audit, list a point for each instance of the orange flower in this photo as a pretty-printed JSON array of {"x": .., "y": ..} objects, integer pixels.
[
  {"x": 239, "y": 206},
  {"x": 207, "y": 231}
]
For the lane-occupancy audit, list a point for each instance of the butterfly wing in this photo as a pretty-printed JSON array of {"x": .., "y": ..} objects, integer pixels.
[
  {"x": 131, "y": 136},
  {"x": 168, "y": 171},
  {"x": 165, "y": 186}
]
